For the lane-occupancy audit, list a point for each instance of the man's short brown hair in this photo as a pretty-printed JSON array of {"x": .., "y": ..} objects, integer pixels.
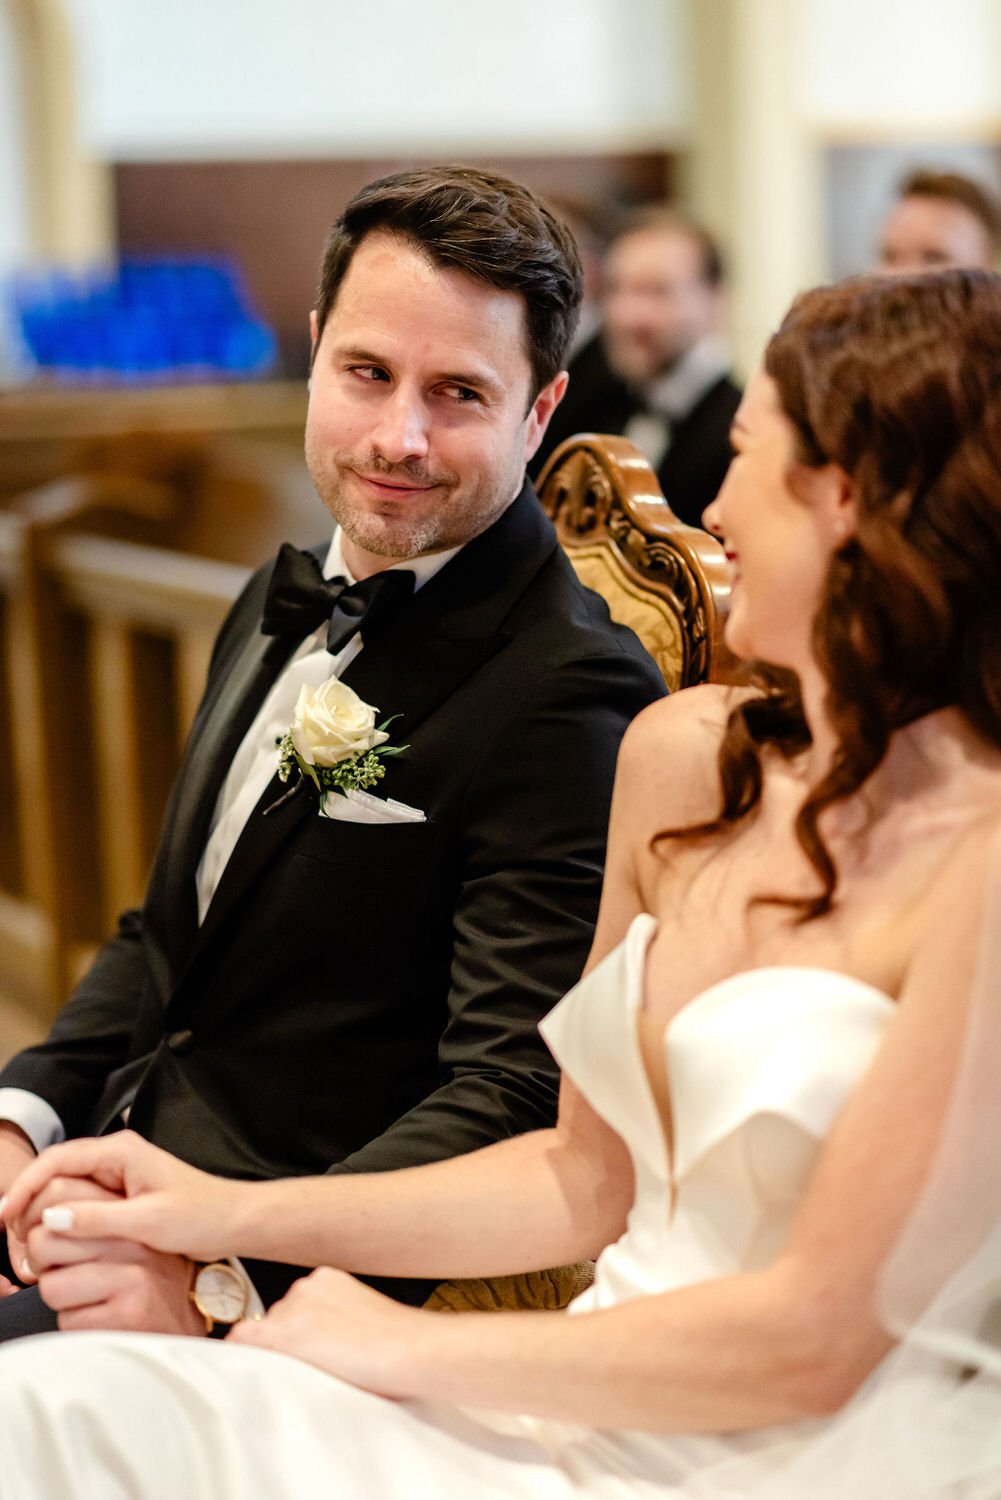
[
  {"x": 485, "y": 225},
  {"x": 952, "y": 187},
  {"x": 674, "y": 220}
]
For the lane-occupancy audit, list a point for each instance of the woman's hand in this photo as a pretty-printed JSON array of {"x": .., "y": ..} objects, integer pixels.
[
  {"x": 334, "y": 1322},
  {"x": 159, "y": 1202}
]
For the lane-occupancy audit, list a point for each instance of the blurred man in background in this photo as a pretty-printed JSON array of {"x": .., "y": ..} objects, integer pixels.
[
  {"x": 658, "y": 371},
  {"x": 940, "y": 219}
]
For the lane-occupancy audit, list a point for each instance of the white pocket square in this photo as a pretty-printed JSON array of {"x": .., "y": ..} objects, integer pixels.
[{"x": 362, "y": 807}]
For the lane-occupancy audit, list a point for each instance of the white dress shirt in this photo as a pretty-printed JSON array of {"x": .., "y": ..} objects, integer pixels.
[
  {"x": 254, "y": 764},
  {"x": 670, "y": 398}
]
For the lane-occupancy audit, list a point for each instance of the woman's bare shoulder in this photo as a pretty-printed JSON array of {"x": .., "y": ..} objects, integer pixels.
[
  {"x": 669, "y": 756},
  {"x": 684, "y": 724}
]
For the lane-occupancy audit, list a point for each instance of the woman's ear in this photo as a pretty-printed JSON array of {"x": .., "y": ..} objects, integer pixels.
[
  {"x": 831, "y": 496},
  {"x": 846, "y": 512}
]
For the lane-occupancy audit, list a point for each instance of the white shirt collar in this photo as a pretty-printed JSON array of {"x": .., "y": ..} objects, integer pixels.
[
  {"x": 423, "y": 568},
  {"x": 675, "y": 393}
]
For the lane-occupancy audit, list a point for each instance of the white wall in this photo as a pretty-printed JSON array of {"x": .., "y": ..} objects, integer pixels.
[
  {"x": 901, "y": 64},
  {"x": 211, "y": 78}
]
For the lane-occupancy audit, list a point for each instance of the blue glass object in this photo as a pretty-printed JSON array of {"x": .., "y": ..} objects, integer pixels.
[{"x": 144, "y": 320}]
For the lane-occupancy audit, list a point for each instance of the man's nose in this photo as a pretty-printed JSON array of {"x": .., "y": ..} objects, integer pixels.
[{"x": 401, "y": 431}]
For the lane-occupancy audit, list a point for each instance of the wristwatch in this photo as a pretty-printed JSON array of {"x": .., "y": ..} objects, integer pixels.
[{"x": 221, "y": 1294}]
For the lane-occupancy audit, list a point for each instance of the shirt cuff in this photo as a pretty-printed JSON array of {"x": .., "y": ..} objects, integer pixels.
[
  {"x": 255, "y": 1307},
  {"x": 33, "y": 1115}
]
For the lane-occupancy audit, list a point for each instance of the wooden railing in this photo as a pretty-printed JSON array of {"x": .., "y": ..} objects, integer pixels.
[
  {"x": 112, "y": 586},
  {"x": 149, "y": 618},
  {"x": 47, "y": 433},
  {"x": 104, "y": 642}
]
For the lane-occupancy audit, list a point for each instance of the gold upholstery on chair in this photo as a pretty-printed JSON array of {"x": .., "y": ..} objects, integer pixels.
[
  {"x": 667, "y": 581},
  {"x": 528, "y": 1291},
  {"x": 652, "y": 618}
]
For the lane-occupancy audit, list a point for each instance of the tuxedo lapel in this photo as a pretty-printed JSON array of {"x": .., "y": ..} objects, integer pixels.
[
  {"x": 227, "y": 712},
  {"x": 224, "y": 721}
]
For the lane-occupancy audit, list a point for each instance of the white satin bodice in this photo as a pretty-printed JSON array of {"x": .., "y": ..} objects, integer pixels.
[{"x": 757, "y": 1068}]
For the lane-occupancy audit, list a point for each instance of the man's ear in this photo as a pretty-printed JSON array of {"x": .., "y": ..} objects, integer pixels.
[{"x": 541, "y": 411}]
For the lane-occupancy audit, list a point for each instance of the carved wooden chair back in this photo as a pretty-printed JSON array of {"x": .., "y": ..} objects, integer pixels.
[{"x": 667, "y": 581}]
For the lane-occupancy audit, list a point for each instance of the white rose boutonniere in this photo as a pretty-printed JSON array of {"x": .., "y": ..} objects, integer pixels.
[{"x": 334, "y": 741}]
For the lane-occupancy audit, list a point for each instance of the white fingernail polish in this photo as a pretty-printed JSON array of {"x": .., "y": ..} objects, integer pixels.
[{"x": 58, "y": 1218}]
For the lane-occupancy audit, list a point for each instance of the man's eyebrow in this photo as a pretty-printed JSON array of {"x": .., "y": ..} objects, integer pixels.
[
  {"x": 481, "y": 380},
  {"x": 359, "y": 352}
]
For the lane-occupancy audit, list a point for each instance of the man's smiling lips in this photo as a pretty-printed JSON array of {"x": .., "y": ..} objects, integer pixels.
[{"x": 393, "y": 489}]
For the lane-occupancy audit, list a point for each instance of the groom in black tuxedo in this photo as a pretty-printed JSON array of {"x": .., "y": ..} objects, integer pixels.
[{"x": 320, "y": 981}]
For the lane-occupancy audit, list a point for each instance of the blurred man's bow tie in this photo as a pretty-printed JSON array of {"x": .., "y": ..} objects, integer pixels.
[{"x": 299, "y": 598}]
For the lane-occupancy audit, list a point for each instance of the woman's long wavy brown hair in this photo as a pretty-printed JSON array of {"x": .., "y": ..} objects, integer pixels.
[{"x": 898, "y": 381}]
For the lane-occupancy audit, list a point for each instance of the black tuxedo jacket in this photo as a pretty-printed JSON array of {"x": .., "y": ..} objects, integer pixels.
[
  {"x": 362, "y": 997},
  {"x": 698, "y": 455}
]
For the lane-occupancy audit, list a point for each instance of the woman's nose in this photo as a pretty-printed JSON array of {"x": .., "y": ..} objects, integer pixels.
[{"x": 712, "y": 518}]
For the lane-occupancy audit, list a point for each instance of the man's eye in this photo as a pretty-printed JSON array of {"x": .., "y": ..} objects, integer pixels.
[
  {"x": 369, "y": 372},
  {"x": 462, "y": 393}
]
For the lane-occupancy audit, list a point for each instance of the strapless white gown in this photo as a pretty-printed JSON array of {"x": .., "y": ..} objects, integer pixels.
[{"x": 758, "y": 1067}]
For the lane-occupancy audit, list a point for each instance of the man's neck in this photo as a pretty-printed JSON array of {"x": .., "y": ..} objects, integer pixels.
[{"x": 676, "y": 390}]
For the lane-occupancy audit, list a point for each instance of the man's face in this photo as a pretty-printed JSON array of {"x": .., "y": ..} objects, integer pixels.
[
  {"x": 657, "y": 304},
  {"x": 419, "y": 426},
  {"x": 927, "y": 234}
]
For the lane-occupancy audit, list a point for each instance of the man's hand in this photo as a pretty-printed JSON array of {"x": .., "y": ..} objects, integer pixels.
[
  {"x": 16, "y": 1152},
  {"x": 113, "y": 1284},
  {"x": 334, "y": 1322},
  {"x": 152, "y": 1198}
]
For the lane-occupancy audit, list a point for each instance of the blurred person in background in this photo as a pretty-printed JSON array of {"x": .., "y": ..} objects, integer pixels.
[
  {"x": 941, "y": 219},
  {"x": 658, "y": 371}
]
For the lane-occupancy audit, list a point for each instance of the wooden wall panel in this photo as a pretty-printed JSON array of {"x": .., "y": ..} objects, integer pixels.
[{"x": 273, "y": 216}]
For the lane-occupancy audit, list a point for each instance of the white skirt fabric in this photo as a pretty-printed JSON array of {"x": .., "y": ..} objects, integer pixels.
[{"x": 94, "y": 1416}]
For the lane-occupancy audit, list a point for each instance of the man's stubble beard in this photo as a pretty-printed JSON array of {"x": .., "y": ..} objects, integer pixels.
[
  {"x": 402, "y": 536},
  {"x": 639, "y": 363}
]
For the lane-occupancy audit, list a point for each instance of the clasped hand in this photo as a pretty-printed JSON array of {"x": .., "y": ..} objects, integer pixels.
[
  {"x": 102, "y": 1272},
  {"x": 110, "y": 1225}
]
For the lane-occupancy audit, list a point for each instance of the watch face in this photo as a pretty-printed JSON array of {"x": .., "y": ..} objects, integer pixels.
[{"x": 220, "y": 1293}]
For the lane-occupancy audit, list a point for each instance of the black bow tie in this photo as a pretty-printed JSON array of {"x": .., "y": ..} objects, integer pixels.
[{"x": 299, "y": 598}]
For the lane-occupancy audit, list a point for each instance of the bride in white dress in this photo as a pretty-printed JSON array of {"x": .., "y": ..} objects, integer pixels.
[{"x": 780, "y": 1113}]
